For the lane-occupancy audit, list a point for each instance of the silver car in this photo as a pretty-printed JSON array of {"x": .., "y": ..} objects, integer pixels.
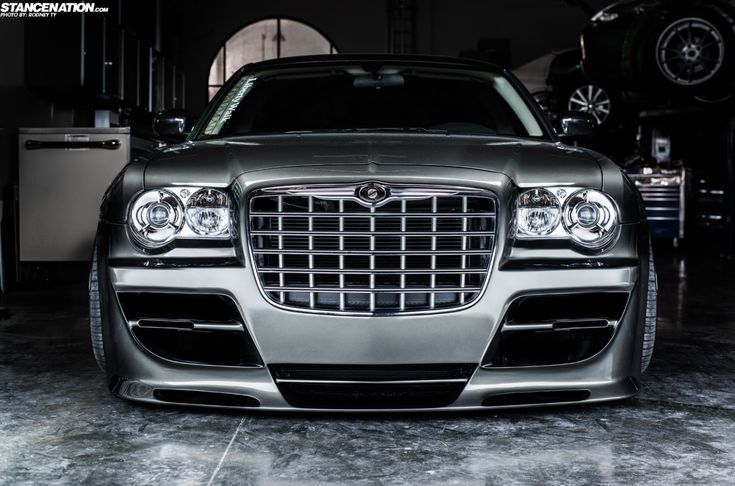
[{"x": 372, "y": 233}]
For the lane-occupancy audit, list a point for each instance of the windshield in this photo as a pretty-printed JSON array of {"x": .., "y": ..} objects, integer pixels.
[{"x": 352, "y": 99}]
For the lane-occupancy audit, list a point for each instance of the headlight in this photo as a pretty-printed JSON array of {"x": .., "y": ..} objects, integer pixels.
[
  {"x": 591, "y": 218},
  {"x": 587, "y": 217},
  {"x": 160, "y": 216},
  {"x": 156, "y": 218},
  {"x": 208, "y": 212},
  {"x": 537, "y": 213}
]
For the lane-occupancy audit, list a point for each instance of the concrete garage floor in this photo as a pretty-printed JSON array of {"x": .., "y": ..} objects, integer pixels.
[{"x": 58, "y": 423}]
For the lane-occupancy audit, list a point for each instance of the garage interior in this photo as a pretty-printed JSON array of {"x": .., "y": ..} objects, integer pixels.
[{"x": 97, "y": 79}]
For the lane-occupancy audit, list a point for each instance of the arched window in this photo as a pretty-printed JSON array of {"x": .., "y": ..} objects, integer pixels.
[{"x": 266, "y": 39}]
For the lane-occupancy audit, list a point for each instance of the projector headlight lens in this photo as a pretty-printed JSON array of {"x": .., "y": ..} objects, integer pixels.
[
  {"x": 208, "y": 212},
  {"x": 538, "y": 213},
  {"x": 159, "y": 214},
  {"x": 587, "y": 215},
  {"x": 591, "y": 219},
  {"x": 156, "y": 217}
]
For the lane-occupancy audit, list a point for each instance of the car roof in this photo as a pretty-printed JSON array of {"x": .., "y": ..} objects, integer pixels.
[{"x": 341, "y": 59}]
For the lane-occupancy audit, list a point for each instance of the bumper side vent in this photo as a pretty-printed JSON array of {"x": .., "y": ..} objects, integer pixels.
[
  {"x": 543, "y": 347},
  {"x": 188, "y": 397},
  {"x": 534, "y": 398},
  {"x": 202, "y": 329},
  {"x": 542, "y": 330},
  {"x": 594, "y": 305},
  {"x": 216, "y": 348},
  {"x": 197, "y": 307}
]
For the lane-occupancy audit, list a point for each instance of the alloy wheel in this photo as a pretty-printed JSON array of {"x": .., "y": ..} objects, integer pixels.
[
  {"x": 591, "y": 99},
  {"x": 690, "y": 51}
]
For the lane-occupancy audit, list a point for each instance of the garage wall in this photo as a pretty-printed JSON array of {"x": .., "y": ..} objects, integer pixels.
[
  {"x": 443, "y": 27},
  {"x": 20, "y": 107},
  {"x": 353, "y": 26},
  {"x": 447, "y": 27},
  {"x": 194, "y": 29}
]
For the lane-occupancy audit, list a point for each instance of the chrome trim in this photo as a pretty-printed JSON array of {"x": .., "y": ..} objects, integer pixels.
[
  {"x": 185, "y": 232},
  {"x": 195, "y": 325},
  {"x": 374, "y": 382},
  {"x": 371, "y": 290},
  {"x": 371, "y": 215},
  {"x": 468, "y": 294},
  {"x": 549, "y": 326},
  {"x": 368, "y": 252},
  {"x": 349, "y": 192},
  {"x": 438, "y": 271}
]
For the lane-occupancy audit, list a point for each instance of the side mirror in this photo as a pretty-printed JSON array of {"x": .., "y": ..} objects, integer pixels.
[
  {"x": 171, "y": 125},
  {"x": 573, "y": 125}
]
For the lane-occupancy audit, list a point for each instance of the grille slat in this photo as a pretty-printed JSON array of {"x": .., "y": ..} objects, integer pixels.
[
  {"x": 464, "y": 248},
  {"x": 281, "y": 295},
  {"x": 366, "y": 252},
  {"x": 376, "y": 233},
  {"x": 370, "y": 290},
  {"x": 422, "y": 249},
  {"x": 341, "y": 256},
  {"x": 438, "y": 271},
  {"x": 402, "y": 296},
  {"x": 305, "y": 215}
]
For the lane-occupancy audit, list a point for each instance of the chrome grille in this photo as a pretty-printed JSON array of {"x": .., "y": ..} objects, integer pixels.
[{"x": 421, "y": 249}]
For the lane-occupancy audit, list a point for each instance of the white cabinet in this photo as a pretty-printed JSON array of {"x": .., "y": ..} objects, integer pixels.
[{"x": 63, "y": 174}]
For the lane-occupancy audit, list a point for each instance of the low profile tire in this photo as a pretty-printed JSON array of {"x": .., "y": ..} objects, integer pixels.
[
  {"x": 95, "y": 314},
  {"x": 691, "y": 52},
  {"x": 649, "y": 335}
]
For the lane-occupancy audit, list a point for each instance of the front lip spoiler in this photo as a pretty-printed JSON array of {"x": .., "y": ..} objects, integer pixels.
[{"x": 598, "y": 393}]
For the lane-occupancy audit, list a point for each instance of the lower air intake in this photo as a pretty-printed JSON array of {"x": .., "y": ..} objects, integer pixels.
[
  {"x": 370, "y": 395},
  {"x": 371, "y": 387}
]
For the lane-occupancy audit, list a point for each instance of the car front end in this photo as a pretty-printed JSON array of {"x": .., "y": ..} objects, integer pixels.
[{"x": 372, "y": 270}]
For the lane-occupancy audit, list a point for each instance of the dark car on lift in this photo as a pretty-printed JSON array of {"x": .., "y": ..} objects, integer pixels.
[
  {"x": 558, "y": 83},
  {"x": 680, "y": 45}
]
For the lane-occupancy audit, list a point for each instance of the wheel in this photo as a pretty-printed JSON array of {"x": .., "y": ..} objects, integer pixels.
[
  {"x": 691, "y": 52},
  {"x": 95, "y": 314},
  {"x": 649, "y": 334},
  {"x": 593, "y": 99},
  {"x": 716, "y": 97}
]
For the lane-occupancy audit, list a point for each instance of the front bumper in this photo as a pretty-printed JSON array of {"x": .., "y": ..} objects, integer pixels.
[{"x": 283, "y": 336}]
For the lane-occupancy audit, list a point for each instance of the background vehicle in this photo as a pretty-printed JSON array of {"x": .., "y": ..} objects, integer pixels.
[
  {"x": 558, "y": 84},
  {"x": 679, "y": 45}
]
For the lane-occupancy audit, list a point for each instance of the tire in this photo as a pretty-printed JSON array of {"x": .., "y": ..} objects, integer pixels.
[
  {"x": 649, "y": 333},
  {"x": 715, "y": 97},
  {"x": 691, "y": 51},
  {"x": 95, "y": 314}
]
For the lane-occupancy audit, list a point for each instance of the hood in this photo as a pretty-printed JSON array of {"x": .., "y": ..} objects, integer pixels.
[{"x": 219, "y": 162}]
